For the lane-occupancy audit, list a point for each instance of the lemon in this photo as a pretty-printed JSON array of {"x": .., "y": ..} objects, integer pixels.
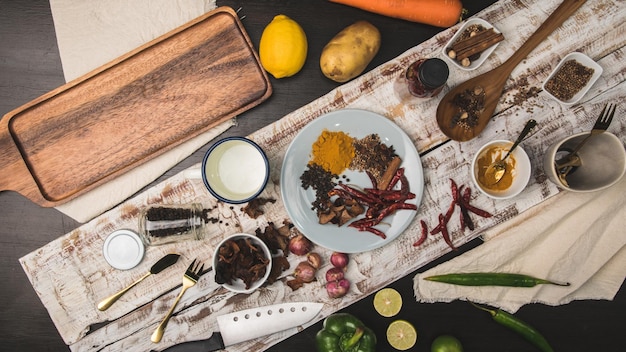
[
  {"x": 283, "y": 47},
  {"x": 401, "y": 335},
  {"x": 387, "y": 302}
]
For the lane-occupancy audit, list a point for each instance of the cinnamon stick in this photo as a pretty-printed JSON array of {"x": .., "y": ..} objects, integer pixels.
[
  {"x": 475, "y": 44},
  {"x": 393, "y": 166}
]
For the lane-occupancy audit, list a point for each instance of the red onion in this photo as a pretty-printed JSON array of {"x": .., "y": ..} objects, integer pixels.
[
  {"x": 304, "y": 272},
  {"x": 300, "y": 245},
  {"x": 336, "y": 289},
  {"x": 339, "y": 260},
  {"x": 314, "y": 259},
  {"x": 334, "y": 274}
]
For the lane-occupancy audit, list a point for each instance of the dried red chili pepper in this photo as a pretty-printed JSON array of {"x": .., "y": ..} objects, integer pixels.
[
  {"x": 361, "y": 196},
  {"x": 424, "y": 234},
  {"x": 466, "y": 220},
  {"x": 393, "y": 208},
  {"x": 364, "y": 222},
  {"x": 380, "y": 203},
  {"x": 396, "y": 177},
  {"x": 473, "y": 209},
  {"x": 460, "y": 196},
  {"x": 444, "y": 232},
  {"x": 375, "y": 231},
  {"x": 390, "y": 196},
  {"x": 372, "y": 179},
  {"x": 404, "y": 185},
  {"x": 454, "y": 190}
]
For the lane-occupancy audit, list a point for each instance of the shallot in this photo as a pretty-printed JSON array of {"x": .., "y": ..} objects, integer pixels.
[
  {"x": 304, "y": 272},
  {"x": 314, "y": 259},
  {"x": 337, "y": 289},
  {"x": 300, "y": 245},
  {"x": 339, "y": 260},
  {"x": 334, "y": 274}
]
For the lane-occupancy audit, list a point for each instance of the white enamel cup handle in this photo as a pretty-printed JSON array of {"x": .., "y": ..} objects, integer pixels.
[{"x": 193, "y": 173}]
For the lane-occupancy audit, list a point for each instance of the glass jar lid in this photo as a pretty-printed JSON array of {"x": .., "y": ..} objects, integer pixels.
[
  {"x": 433, "y": 73},
  {"x": 123, "y": 249}
]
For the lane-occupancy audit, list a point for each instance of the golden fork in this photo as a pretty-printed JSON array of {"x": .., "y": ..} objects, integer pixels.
[{"x": 191, "y": 276}]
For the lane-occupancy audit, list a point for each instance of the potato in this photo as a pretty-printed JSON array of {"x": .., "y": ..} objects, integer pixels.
[{"x": 350, "y": 51}]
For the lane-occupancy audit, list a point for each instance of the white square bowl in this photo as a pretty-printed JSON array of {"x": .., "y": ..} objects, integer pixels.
[
  {"x": 583, "y": 60},
  {"x": 483, "y": 55}
]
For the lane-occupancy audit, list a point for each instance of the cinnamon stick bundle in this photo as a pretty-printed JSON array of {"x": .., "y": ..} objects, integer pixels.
[{"x": 475, "y": 44}]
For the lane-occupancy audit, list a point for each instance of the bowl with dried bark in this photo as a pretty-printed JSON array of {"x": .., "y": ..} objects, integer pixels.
[{"x": 242, "y": 263}]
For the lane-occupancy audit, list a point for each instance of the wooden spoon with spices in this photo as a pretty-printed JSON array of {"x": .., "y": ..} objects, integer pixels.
[{"x": 491, "y": 83}]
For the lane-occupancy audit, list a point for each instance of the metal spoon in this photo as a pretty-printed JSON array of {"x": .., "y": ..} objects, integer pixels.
[
  {"x": 498, "y": 168},
  {"x": 159, "y": 266}
]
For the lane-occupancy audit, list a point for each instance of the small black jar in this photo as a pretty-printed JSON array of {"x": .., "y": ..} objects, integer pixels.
[{"x": 426, "y": 77}]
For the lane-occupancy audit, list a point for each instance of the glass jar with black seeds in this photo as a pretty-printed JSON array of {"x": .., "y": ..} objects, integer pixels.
[{"x": 161, "y": 224}]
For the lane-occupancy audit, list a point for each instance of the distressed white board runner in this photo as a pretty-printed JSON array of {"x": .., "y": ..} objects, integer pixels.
[{"x": 71, "y": 277}]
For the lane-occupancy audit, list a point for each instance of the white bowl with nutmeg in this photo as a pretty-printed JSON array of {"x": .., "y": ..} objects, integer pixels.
[
  {"x": 472, "y": 44},
  {"x": 572, "y": 78}
]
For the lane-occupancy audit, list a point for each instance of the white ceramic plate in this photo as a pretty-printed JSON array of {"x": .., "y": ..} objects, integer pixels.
[
  {"x": 297, "y": 200},
  {"x": 583, "y": 60},
  {"x": 483, "y": 56}
]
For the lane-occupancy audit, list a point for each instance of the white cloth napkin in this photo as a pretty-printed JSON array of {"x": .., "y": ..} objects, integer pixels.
[
  {"x": 572, "y": 237},
  {"x": 91, "y": 33}
]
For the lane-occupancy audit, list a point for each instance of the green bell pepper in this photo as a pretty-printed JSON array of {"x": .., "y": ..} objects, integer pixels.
[{"x": 343, "y": 332}]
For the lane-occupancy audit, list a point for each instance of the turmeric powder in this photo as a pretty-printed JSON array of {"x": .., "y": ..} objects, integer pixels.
[
  {"x": 490, "y": 156},
  {"x": 333, "y": 151}
]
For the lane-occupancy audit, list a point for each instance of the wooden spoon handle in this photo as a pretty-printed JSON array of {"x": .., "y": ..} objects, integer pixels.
[{"x": 563, "y": 12}]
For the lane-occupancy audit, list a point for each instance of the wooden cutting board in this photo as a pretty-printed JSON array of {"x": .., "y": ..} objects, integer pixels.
[{"x": 130, "y": 110}]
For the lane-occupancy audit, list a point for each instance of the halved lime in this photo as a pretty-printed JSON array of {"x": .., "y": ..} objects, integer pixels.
[
  {"x": 401, "y": 335},
  {"x": 387, "y": 302}
]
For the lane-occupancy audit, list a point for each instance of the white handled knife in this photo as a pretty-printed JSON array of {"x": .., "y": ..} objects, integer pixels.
[{"x": 251, "y": 323}]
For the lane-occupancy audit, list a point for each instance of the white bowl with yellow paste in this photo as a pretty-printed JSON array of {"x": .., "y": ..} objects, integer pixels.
[{"x": 516, "y": 176}]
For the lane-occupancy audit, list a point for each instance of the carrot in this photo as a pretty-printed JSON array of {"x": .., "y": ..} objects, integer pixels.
[{"x": 439, "y": 13}]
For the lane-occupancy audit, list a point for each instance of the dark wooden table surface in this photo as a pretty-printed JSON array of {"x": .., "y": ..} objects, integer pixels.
[{"x": 30, "y": 66}]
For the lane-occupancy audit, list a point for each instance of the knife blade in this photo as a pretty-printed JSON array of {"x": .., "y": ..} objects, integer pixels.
[
  {"x": 252, "y": 323},
  {"x": 162, "y": 264}
]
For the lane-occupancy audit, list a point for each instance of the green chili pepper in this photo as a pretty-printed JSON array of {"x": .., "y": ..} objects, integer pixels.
[
  {"x": 492, "y": 279},
  {"x": 519, "y": 326},
  {"x": 343, "y": 332}
]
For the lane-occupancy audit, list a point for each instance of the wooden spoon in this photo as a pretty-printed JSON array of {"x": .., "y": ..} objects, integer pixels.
[{"x": 492, "y": 82}]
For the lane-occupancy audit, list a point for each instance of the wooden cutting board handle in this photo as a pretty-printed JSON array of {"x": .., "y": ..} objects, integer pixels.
[{"x": 14, "y": 174}]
